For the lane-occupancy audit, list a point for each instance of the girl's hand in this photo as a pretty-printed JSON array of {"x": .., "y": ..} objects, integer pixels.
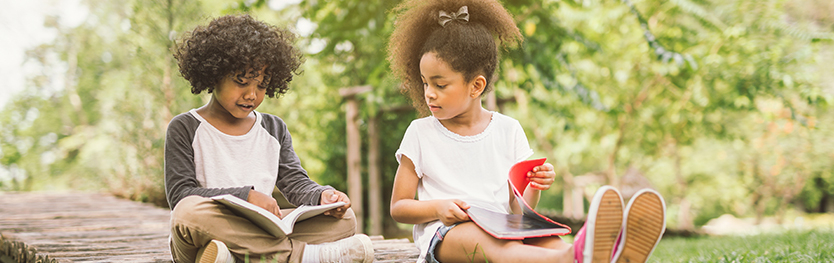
[
  {"x": 451, "y": 211},
  {"x": 331, "y": 196},
  {"x": 265, "y": 202},
  {"x": 542, "y": 176}
]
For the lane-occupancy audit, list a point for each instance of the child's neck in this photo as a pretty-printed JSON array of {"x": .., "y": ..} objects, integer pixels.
[
  {"x": 221, "y": 119},
  {"x": 469, "y": 124}
]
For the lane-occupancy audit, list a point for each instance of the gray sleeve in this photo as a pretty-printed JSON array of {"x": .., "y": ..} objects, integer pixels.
[
  {"x": 292, "y": 181},
  {"x": 180, "y": 174}
]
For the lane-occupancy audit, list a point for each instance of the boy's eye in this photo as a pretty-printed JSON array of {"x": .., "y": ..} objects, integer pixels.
[{"x": 239, "y": 80}]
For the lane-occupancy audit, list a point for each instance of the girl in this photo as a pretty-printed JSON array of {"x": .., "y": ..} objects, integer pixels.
[
  {"x": 445, "y": 53},
  {"x": 226, "y": 147}
]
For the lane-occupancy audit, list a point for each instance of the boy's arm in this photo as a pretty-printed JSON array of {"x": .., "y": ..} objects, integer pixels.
[
  {"x": 292, "y": 181},
  {"x": 180, "y": 176},
  {"x": 405, "y": 209}
]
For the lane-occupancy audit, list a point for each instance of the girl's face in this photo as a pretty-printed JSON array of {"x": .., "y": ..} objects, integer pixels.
[
  {"x": 446, "y": 91},
  {"x": 240, "y": 94}
]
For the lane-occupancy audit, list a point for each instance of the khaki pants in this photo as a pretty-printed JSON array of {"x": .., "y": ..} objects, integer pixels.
[{"x": 196, "y": 220}]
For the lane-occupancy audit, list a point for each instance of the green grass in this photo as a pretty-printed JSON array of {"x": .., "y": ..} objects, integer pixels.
[{"x": 796, "y": 246}]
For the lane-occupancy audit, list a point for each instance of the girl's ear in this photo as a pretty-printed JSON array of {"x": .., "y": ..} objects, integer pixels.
[{"x": 478, "y": 86}]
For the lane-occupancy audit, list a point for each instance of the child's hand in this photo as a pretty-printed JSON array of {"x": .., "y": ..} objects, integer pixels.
[
  {"x": 264, "y": 201},
  {"x": 542, "y": 176},
  {"x": 451, "y": 211},
  {"x": 332, "y": 196}
]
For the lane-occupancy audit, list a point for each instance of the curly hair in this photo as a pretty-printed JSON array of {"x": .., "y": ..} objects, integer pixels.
[
  {"x": 469, "y": 47},
  {"x": 238, "y": 45}
]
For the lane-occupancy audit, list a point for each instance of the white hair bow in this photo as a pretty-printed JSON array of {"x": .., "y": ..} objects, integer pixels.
[{"x": 461, "y": 14}]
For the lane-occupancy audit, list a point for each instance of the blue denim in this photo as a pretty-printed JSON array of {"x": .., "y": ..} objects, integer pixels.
[{"x": 438, "y": 236}]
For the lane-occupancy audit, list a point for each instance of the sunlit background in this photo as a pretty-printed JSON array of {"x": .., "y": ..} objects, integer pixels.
[{"x": 722, "y": 106}]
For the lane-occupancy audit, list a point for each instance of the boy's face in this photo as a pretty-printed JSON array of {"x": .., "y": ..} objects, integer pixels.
[{"x": 240, "y": 94}]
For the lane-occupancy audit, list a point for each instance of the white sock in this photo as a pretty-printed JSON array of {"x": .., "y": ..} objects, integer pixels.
[{"x": 311, "y": 254}]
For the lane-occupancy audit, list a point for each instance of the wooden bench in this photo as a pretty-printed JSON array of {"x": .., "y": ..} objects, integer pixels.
[{"x": 95, "y": 227}]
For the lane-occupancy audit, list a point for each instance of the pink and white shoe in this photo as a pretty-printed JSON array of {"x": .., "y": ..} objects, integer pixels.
[
  {"x": 594, "y": 243},
  {"x": 644, "y": 224}
]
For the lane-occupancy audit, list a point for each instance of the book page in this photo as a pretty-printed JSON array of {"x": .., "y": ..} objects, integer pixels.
[
  {"x": 306, "y": 211},
  {"x": 518, "y": 226},
  {"x": 508, "y": 226},
  {"x": 268, "y": 221}
]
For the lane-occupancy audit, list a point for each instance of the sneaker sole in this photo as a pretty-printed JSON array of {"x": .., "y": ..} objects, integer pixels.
[
  {"x": 209, "y": 254},
  {"x": 608, "y": 220},
  {"x": 644, "y": 226},
  {"x": 214, "y": 253}
]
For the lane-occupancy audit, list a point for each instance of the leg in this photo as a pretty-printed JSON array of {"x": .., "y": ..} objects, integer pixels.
[
  {"x": 196, "y": 221},
  {"x": 466, "y": 242},
  {"x": 553, "y": 242},
  {"x": 323, "y": 228},
  {"x": 331, "y": 239}
]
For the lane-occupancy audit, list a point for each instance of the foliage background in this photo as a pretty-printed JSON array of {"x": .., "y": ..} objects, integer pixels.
[{"x": 723, "y": 106}]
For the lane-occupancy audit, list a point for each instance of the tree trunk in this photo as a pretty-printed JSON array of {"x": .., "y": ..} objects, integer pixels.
[
  {"x": 374, "y": 179},
  {"x": 685, "y": 219},
  {"x": 354, "y": 162},
  {"x": 354, "y": 152},
  {"x": 611, "y": 172}
]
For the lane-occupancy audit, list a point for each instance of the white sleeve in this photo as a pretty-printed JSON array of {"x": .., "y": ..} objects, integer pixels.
[
  {"x": 410, "y": 146},
  {"x": 522, "y": 147}
]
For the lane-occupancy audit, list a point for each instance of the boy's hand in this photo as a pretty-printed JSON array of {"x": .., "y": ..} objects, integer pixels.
[
  {"x": 332, "y": 196},
  {"x": 542, "y": 176},
  {"x": 264, "y": 201},
  {"x": 451, "y": 211}
]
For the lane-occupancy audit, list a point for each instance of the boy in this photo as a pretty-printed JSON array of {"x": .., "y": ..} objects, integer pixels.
[{"x": 226, "y": 147}]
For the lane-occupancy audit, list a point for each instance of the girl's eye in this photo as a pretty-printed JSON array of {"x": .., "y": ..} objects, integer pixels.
[{"x": 441, "y": 86}]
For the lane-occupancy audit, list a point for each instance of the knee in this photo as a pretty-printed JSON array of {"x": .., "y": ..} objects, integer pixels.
[
  {"x": 349, "y": 220},
  {"x": 189, "y": 208}
]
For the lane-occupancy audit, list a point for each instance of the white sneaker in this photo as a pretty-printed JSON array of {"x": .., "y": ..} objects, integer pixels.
[
  {"x": 643, "y": 227},
  {"x": 594, "y": 243},
  {"x": 357, "y": 248},
  {"x": 215, "y": 252}
]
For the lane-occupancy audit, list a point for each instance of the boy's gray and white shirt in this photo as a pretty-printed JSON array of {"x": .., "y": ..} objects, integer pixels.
[{"x": 202, "y": 160}]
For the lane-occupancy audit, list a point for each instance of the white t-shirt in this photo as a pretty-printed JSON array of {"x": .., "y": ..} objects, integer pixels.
[
  {"x": 223, "y": 160},
  {"x": 470, "y": 168}
]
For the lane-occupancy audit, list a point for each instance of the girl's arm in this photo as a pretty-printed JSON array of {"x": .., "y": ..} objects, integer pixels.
[
  {"x": 405, "y": 209},
  {"x": 541, "y": 177},
  {"x": 531, "y": 196}
]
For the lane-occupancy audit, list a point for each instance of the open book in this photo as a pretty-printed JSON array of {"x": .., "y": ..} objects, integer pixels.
[
  {"x": 513, "y": 226},
  {"x": 278, "y": 227}
]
